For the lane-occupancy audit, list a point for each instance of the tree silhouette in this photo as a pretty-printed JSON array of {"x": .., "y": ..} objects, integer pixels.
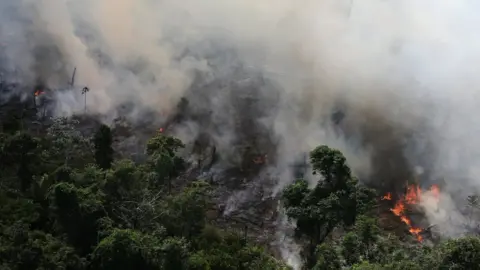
[
  {"x": 85, "y": 90},
  {"x": 162, "y": 152},
  {"x": 19, "y": 151},
  {"x": 103, "y": 147},
  {"x": 333, "y": 201}
]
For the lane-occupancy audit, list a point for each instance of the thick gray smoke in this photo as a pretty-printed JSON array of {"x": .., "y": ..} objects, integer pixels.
[{"x": 403, "y": 74}]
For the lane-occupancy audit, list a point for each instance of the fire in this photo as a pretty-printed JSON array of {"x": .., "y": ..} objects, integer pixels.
[
  {"x": 398, "y": 209},
  {"x": 387, "y": 196},
  {"x": 416, "y": 232},
  {"x": 38, "y": 92},
  {"x": 413, "y": 194},
  {"x": 160, "y": 130},
  {"x": 406, "y": 221},
  {"x": 412, "y": 197}
]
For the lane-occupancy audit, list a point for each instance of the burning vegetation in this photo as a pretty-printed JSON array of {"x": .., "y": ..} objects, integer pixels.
[
  {"x": 38, "y": 93},
  {"x": 338, "y": 200},
  {"x": 411, "y": 201},
  {"x": 95, "y": 193}
]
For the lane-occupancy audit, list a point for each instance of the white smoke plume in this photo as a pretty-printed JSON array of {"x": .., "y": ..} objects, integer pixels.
[{"x": 402, "y": 72}]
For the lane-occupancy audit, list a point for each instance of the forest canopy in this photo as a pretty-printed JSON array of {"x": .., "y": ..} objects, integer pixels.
[{"x": 68, "y": 203}]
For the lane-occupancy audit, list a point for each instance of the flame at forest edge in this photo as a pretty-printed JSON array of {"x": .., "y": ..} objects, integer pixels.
[
  {"x": 38, "y": 92},
  {"x": 413, "y": 196}
]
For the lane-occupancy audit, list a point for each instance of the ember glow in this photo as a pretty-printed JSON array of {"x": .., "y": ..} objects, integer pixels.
[
  {"x": 38, "y": 93},
  {"x": 412, "y": 197},
  {"x": 413, "y": 194},
  {"x": 260, "y": 159},
  {"x": 387, "y": 196}
]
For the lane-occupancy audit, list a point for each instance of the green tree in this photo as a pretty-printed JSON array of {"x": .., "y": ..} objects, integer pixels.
[
  {"x": 162, "y": 151},
  {"x": 403, "y": 265},
  {"x": 223, "y": 250},
  {"x": 130, "y": 249},
  {"x": 351, "y": 248},
  {"x": 331, "y": 202},
  {"x": 15, "y": 210},
  {"x": 198, "y": 261},
  {"x": 124, "y": 181},
  {"x": 362, "y": 241},
  {"x": 174, "y": 254},
  {"x": 184, "y": 214},
  {"x": 365, "y": 265},
  {"x": 327, "y": 258},
  {"x": 20, "y": 152},
  {"x": 367, "y": 230},
  {"x": 22, "y": 248},
  {"x": 463, "y": 253},
  {"x": 127, "y": 195},
  {"x": 123, "y": 249},
  {"x": 386, "y": 249},
  {"x": 66, "y": 144},
  {"x": 103, "y": 147},
  {"x": 77, "y": 211},
  {"x": 255, "y": 258}
]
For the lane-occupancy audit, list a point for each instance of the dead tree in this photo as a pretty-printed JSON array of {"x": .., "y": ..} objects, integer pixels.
[
  {"x": 84, "y": 92},
  {"x": 72, "y": 82}
]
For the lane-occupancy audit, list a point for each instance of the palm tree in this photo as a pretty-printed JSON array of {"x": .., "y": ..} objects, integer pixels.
[{"x": 84, "y": 92}]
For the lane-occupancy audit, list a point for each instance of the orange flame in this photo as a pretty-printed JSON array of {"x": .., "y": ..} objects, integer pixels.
[
  {"x": 406, "y": 221},
  {"x": 412, "y": 197},
  {"x": 38, "y": 92},
  {"x": 416, "y": 232},
  {"x": 387, "y": 196},
  {"x": 413, "y": 194},
  {"x": 398, "y": 209}
]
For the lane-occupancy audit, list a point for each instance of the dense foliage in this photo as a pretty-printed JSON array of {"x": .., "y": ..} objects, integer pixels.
[
  {"x": 338, "y": 201},
  {"x": 66, "y": 203}
]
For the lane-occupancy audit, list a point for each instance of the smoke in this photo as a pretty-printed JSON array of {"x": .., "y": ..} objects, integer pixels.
[
  {"x": 445, "y": 216},
  {"x": 290, "y": 251},
  {"x": 401, "y": 72}
]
